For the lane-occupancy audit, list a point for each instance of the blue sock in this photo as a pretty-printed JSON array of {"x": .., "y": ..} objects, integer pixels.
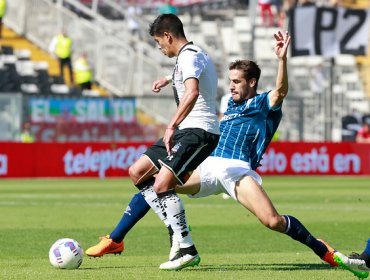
[
  {"x": 136, "y": 209},
  {"x": 365, "y": 255},
  {"x": 367, "y": 249},
  {"x": 298, "y": 232}
]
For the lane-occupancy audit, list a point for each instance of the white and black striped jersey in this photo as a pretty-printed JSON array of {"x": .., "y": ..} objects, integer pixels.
[{"x": 193, "y": 62}]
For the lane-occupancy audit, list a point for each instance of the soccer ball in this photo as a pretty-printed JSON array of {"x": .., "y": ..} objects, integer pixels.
[{"x": 66, "y": 253}]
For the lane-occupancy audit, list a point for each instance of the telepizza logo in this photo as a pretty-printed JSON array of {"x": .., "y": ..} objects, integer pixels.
[{"x": 101, "y": 161}]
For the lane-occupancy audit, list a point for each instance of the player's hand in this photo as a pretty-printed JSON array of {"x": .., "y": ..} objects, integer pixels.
[
  {"x": 282, "y": 43},
  {"x": 167, "y": 139},
  {"x": 158, "y": 84}
]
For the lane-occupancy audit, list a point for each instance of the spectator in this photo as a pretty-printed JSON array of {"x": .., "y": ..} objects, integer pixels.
[
  {"x": 132, "y": 24},
  {"x": 82, "y": 72},
  {"x": 167, "y": 8},
  {"x": 26, "y": 135},
  {"x": 61, "y": 46},
  {"x": 265, "y": 7},
  {"x": 363, "y": 135},
  {"x": 279, "y": 12},
  {"x": 2, "y": 13}
]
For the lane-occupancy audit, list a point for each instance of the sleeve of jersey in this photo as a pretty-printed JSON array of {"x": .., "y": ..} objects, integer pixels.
[
  {"x": 262, "y": 102},
  {"x": 274, "y": 108},
  {"x": 192, "y": 64}
]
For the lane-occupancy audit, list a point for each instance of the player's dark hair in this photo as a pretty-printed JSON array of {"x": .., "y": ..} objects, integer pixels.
[
  {"x": 250, "y": 69},
  {"x": 167, "y": 23}
]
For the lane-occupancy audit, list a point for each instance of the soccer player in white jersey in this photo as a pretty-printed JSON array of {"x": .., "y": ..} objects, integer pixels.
[
  {"x": 246, "y": 130},
  {"x": 190, "y": 137}
]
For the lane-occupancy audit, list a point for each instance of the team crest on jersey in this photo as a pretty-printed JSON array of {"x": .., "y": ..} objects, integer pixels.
[
  {"x": 174, "y": 150},
  {"x": 176, "y": 147}
]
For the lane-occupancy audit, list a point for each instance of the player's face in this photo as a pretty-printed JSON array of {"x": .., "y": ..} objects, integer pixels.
[
  {"x": 239, "y": 86},
  {"x": 164, "y": 44}
]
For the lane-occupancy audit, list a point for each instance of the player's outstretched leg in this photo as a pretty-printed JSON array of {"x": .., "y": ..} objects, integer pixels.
[
  {"x": 113, "y": 243},
  {"x": 296, "y": 230}
]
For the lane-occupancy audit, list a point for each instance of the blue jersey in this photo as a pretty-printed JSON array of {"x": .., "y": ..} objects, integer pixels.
[{"x": 247, "y": 129}]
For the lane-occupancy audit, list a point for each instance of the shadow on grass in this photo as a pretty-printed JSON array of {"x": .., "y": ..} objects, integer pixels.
[
  {"x": 272, "y": 267},
  {"x": 232, "y": 267}
]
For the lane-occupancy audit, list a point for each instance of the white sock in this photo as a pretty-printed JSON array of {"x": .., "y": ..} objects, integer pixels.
[
  {"x": 175, "y": 211},
  {"x": 152, "y": 199}
]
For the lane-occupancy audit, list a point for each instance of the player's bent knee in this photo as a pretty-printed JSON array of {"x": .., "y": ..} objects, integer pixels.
[
  {"x": 274, "y": 223},
  {"x": 133, "y": 175},
  {"x": 159, "y": 187}
]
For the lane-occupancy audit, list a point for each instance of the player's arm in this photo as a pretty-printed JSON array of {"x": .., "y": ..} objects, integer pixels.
[
  {"x": 160, "y": 83},
  {"x": 186, "y": 104},
  {"x": 277, "y": 95}
]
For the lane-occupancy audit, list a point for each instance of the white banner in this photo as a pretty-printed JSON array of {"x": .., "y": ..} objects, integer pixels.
[{"x": 329, "y": 31}]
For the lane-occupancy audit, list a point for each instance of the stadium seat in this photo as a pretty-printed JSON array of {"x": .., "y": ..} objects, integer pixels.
[
  {"x": 6, "y": 50},
  {"x": 29, "y": 79},
  {"x": 56, "y": 80},
  {"x": 30, "y": 88},
  {"x": 59, "y": 89},
  {"x": 23, "y": 54},
  {"x": 25, "y": 67},
  {"x": 87, "y": 92}
]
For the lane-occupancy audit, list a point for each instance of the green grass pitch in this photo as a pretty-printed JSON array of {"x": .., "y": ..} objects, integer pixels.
[{"x": 231, "y": 241}]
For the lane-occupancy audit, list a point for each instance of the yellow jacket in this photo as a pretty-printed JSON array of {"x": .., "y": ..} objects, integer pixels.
[
  {"x": 2, "y": 8},
  {"x": 63, "y": 47},
  {"x": 27, "y": 138},
  {"x": 82, "y": 71}
]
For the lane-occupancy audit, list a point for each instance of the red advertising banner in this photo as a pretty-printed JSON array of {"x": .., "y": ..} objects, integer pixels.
[
  {"x": 301, "y": 158},
  {"x": 101, "y": 160},
  {"x": 68, "y": 160}
]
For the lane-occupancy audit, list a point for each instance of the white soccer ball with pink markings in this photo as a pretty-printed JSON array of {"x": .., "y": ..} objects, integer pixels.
[{"x": 66, "y": 253}]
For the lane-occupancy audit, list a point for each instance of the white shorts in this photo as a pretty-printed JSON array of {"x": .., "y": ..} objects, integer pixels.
[{"x": 220, "y": 175}]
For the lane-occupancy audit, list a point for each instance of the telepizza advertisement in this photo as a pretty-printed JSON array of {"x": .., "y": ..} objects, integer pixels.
[{"x": 20, "y": 160}]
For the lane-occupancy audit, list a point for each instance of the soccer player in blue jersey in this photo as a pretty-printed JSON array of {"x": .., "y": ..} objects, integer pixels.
[{"x": 246, "y": 129}]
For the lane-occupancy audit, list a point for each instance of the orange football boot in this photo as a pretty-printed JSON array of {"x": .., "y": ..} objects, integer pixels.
[{"x": 105, "y": 246}]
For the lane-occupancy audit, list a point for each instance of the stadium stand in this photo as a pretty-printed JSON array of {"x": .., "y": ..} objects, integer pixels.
[
  {"x": 35, "y": 69},
  {"x": 26, "y": 69},
  {"x": 322, "y": 90}
]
